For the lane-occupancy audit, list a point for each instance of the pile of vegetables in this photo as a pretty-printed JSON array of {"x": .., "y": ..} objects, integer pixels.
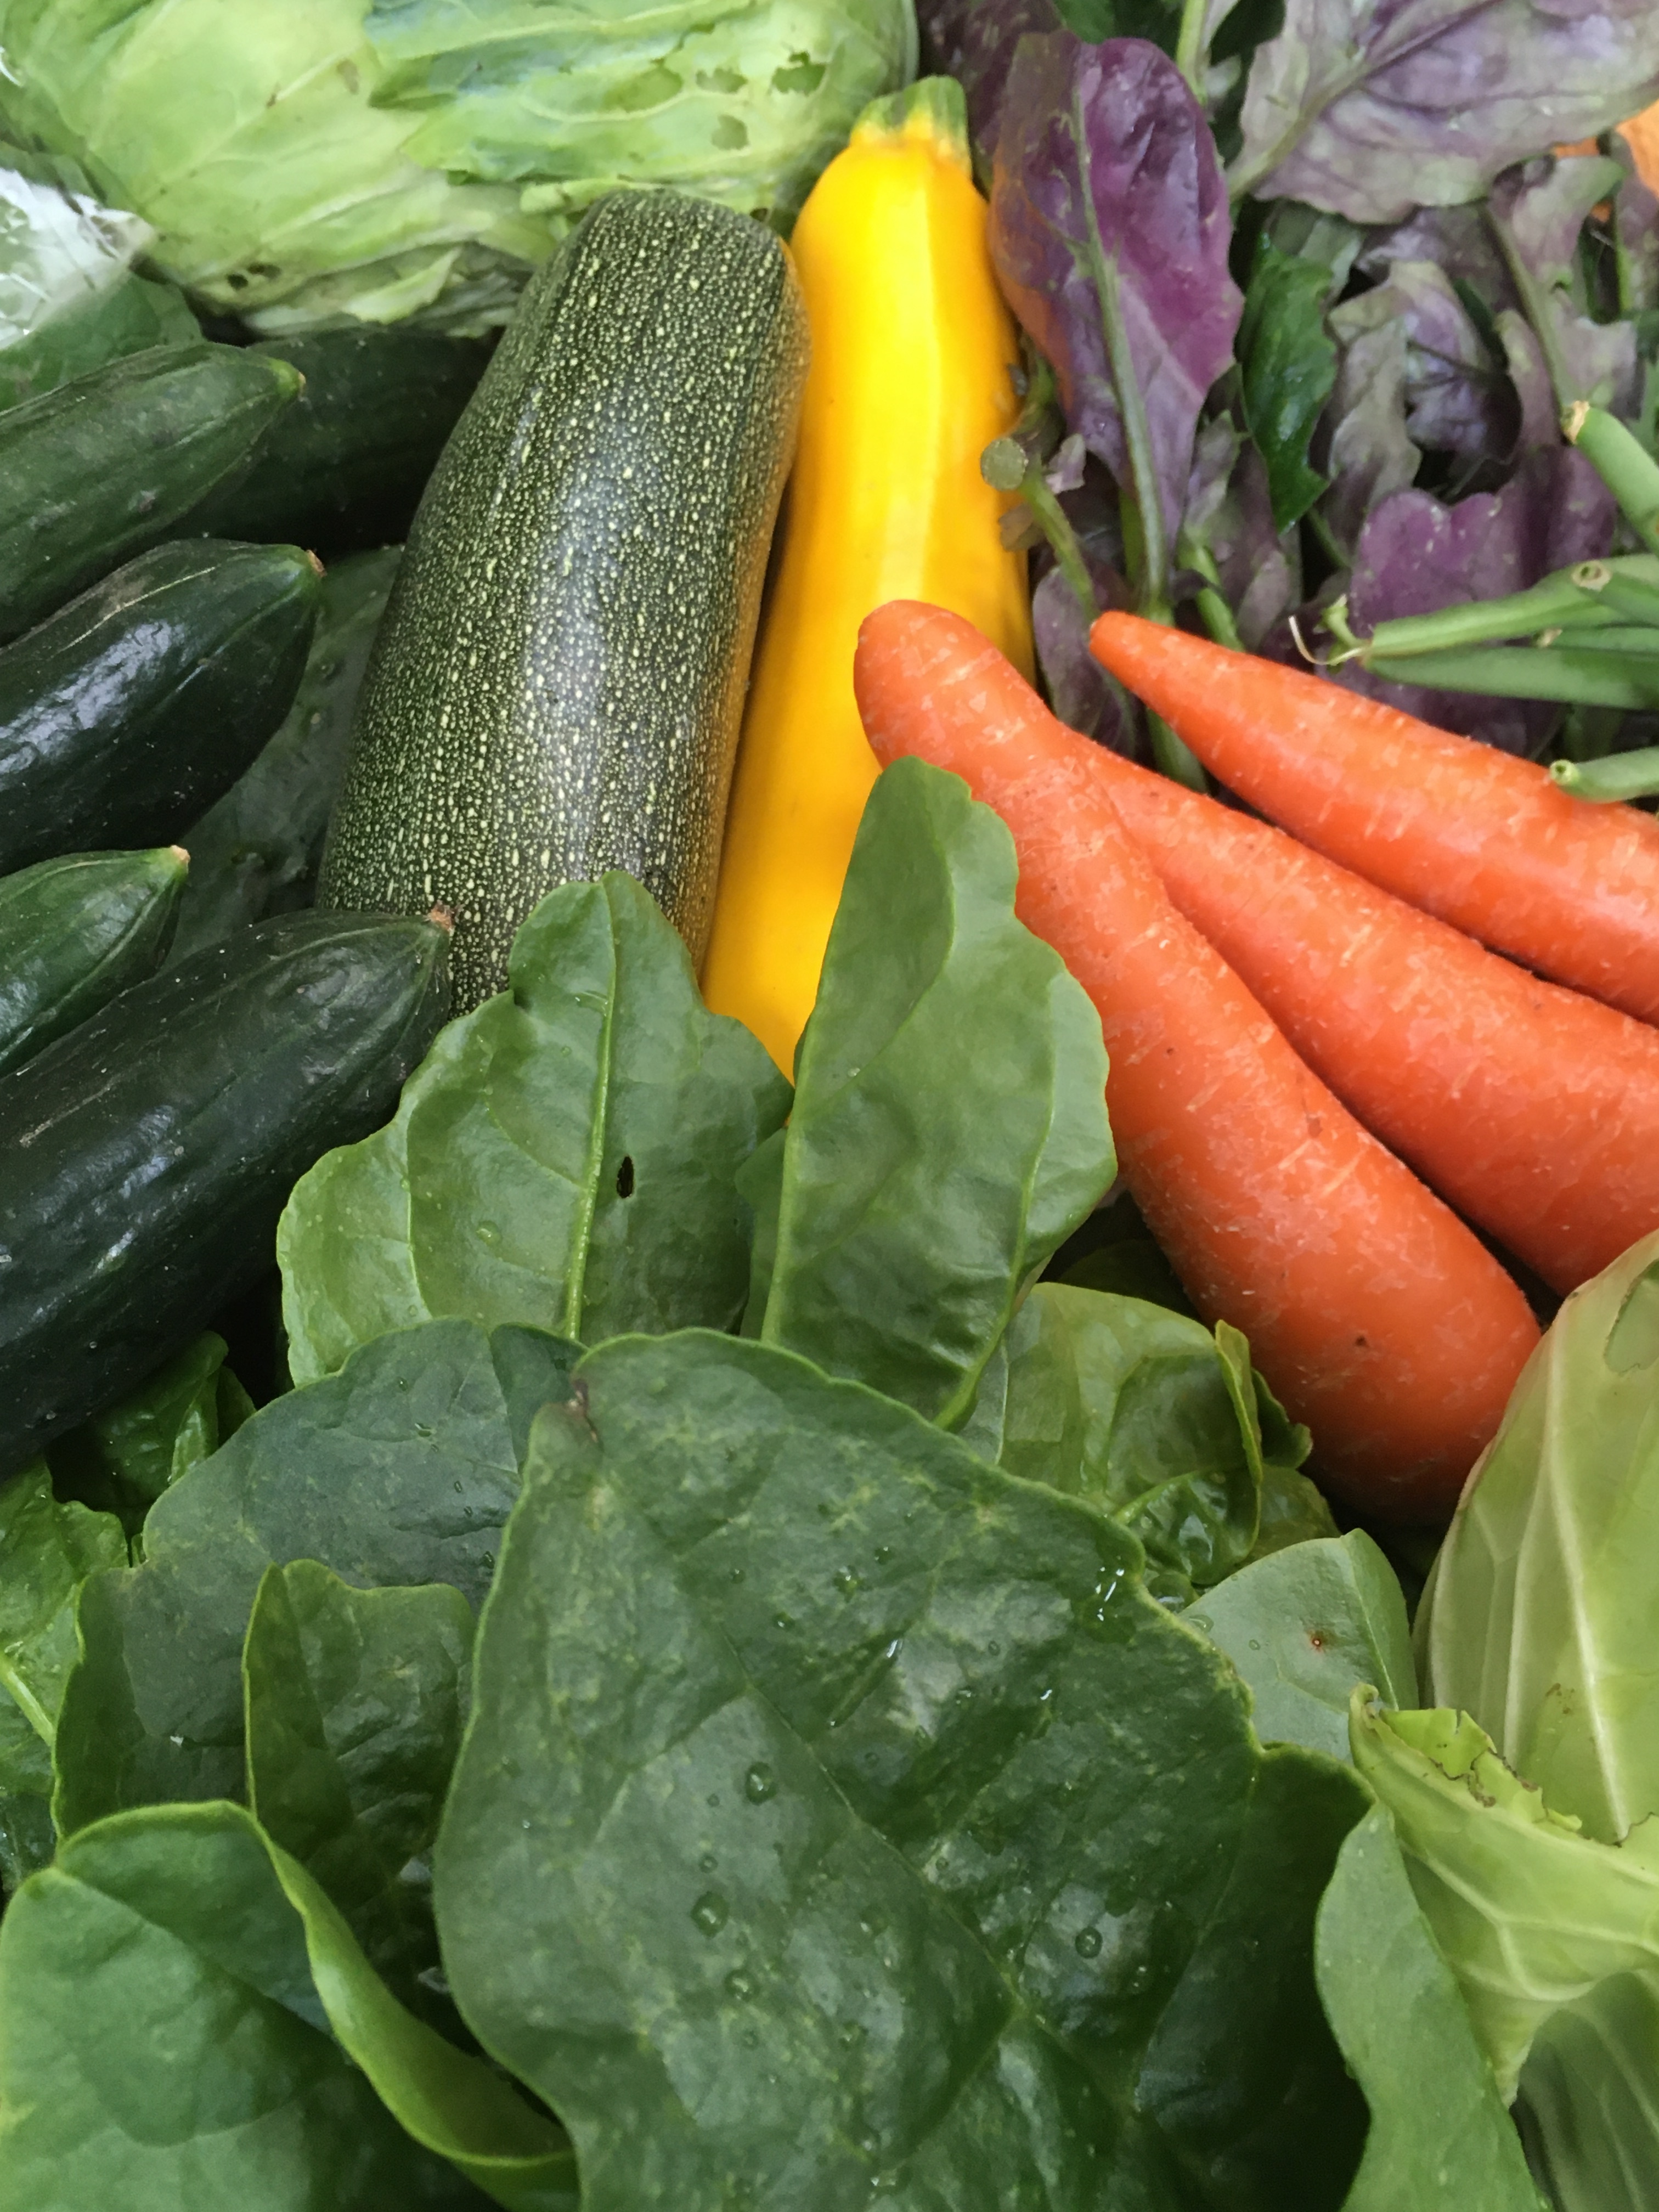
[{"x": 829, "y": 1107}]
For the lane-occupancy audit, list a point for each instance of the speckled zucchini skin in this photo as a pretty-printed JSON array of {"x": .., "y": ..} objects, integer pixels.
[{"x": 558, "y": 686}]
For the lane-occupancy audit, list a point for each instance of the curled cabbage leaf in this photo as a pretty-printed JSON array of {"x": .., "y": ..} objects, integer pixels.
[{"x": 328, "y": 160}]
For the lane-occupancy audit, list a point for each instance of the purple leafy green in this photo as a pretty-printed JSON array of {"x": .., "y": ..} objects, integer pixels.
[
  {"x": 1537, "y": 212},
  {"x": 1373, "y": 107},
  {"x": 974, "y": 41},
  {"x": 1416, "y": 557},
  {"x": 1109, "y": 229}
]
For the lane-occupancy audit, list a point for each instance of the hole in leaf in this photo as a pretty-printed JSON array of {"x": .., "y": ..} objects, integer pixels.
[{"x": 1633, "y": 1340}]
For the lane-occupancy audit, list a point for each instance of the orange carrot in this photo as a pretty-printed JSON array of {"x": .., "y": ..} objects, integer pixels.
[
  {"x": 1534, "y": 1110},
  {"x": 1485, "y": 842},
  {"x": 1378, "y": 1317}
]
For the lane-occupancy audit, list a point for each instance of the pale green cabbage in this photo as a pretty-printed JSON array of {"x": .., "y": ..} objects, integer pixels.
[{"x": 317, "y": 160}]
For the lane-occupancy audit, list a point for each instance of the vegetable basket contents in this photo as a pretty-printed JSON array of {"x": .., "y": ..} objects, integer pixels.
[{"x": 829, "y": 1107}]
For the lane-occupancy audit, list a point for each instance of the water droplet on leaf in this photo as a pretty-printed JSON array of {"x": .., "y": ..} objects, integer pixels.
[
  {"x": 760, "y": 1783},
  {"x": 1086, "y": 1943},
  {"x": 710, "y": 1912}
]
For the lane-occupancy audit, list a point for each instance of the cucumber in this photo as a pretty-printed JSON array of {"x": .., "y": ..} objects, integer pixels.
[
  {"x": 73, "y": 933},
  {"x": 255, "y": 850},
  {"x": 127, "y": 713},
  {"x": 144, "y": 1159},
  {"x": 344, "y": 467},
  {"x": 557, "y": 687},
  {"x": 107, "y": 464}
]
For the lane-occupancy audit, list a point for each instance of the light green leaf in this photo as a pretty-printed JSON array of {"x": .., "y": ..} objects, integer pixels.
[
  {"x": 1146, "y": 1415},
  {"x": 1303, "y": 1626},
  {"x": 186, "y": 2023},
  {"x": 565, "y": 1156},
  {"x": 1531, "y": 1914},
  {"x": 949, "y": 1128},
  {"x": 1440, "y": 2139},
  {"x": 122, "y": 1461},
  {"x": 353, "y": 1702},
  {"x": 402, "y": 1469},
  {"x": 1539, "y": 1618},
  {"x": 47, "y": 1549},
  {"x": 842, "y": 1812}
]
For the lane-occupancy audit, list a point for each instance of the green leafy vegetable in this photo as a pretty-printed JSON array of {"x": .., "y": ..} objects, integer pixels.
[
  {"x": 419, "y": 157},
  {"x": 1289, "y": 363},
  {"x": 47, "y": 1549},
  {"x": 843, "y": 1811},
  {"x": 131, "y": 316},
  {"x": 258, "y": 848},
  {"x": 948, "y": 1128},
  {"x": 1440, "y": 2139},
  {"x": 401, "y": 1470},
  {"x": 168, "y": 1992},
  {"x": 1539, "y": 1619},
  {"x": 1531, "y": 1914},
  {"x": 1141, "y": 1411},
  {"x": 354, "y": 1701},
  {"x": 1303, "y": 1626},
  {"x": 122, "y": 1461},
  {"x": 564, "y": 1156}
]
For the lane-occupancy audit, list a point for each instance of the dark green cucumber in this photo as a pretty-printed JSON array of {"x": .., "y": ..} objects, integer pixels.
[
  {"x": 255, "y": 850},
  {"x": 107, "y": 464},
  {"x": 127, "y": 713},
  {"x": 76, "y": 932},
  {"x": 343, "y": 468},
  {"x": 557, "y": 687},
  {"x": 145, "y": 1157}
]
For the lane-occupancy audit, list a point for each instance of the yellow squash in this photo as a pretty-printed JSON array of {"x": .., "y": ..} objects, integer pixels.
[{"x": 912, "y": 348}]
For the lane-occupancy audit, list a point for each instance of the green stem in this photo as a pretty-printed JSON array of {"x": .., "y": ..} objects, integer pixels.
[
  {"x": 1620, "y": 776},
  {"x": 1623, "y": 463},
  {"x": 1217, "y": 617},
  {"x": 1535, "y": 299},
  {"x": 1056, "y": 527},
  {"x": 1558, "y": 601},
  {"x": 1154, "y": 579},
  {"x": 1189, "y": 45},
  {"x": 1573, "y": 675}
]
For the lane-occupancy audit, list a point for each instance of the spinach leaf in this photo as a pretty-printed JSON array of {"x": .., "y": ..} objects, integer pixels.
[
  {"x": 838, "y": 1814},
  {"x": 399, "y": 1470},
  {"x": 1440, "y": 2139},
  {"x": 122, "y": 1461},
  {"x": 949, "y": 1128},
  {"x": 1288, "y": 361},
  {"x": 1303, "y": 1626},
  {"x": 354, "y": 1701},
  {"x": 47, "y": 1549},
  {"x": 185, "y": 2023},
  {"x": 1146, "y": 1415},
  {"x": 257, "y": 847},
  {"x": 563, "y": 1158}
]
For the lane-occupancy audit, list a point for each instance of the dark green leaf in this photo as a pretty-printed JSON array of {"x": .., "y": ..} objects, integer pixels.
[
  {"x": 1130, "y": 1268},
  {"x": 27, "y": 1836},
  {"x": 47, "y": 1549},
  {"x": 1293, "y": 1511},
  {"x": 122, "y": 1461},
  {"x": 168, "y": 1992},
  {"x": 949, "y": 1129},
  {"x": 838, "y": 1814},
  {"x": 354, "y": 1701},
  {"x": 565, "y": 1156},
  {"x": 399, "y": 1470},
  {"x": 131, "y": 316},
  {"x": 1289, "y": 364},
  {"x": 258, "y": 848},
  {"x": 1304, "y": 1625},
  {"x": 1143, "y": 1413},
  {"x": 1440, "y": 2139}
]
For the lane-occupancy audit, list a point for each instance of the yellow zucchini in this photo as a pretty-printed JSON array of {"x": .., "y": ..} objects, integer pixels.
[{"x": 912, "y": 348}]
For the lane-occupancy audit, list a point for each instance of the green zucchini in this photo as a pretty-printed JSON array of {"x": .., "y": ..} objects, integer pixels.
[
  {"x": 127, "y": 713},
  {"x": 73, "y": 933},
  {"x": 343, "y": 468},
  {"x": 557, "y": 687},
  {"x": 255, "y": 850},
  {"x": 105, "y": 465},
  {"x": 144, "y": 1159}
]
